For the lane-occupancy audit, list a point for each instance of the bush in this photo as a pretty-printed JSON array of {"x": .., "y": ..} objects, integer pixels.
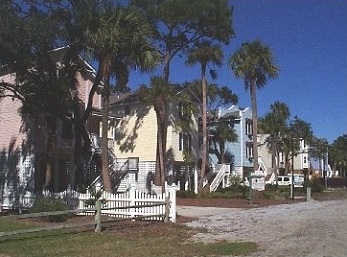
[
  {"x": 234, "y": 191},
  {"x": 47, "y": 204}
]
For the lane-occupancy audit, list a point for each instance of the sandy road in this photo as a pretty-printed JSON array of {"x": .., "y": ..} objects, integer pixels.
[{"x": 314, "y": 229}]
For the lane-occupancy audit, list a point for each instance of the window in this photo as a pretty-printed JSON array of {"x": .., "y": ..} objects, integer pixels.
[
  {"x": 249, "y": 128},
  {"x": 249, "y": 150},
  {"x": 281, "y": 157},
  {"x": 185, "y": 141}
]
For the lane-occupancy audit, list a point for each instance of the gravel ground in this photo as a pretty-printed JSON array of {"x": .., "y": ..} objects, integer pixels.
[{"x": 314, "y": 229}]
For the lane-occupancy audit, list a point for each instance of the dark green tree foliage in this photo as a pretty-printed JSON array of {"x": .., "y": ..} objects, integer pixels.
[
  {"x": 218, "y": 97},
  {"x": 338, "y": 155},
  {"x": 179, "y": 24},
  {"x": 301, "y": 129}
]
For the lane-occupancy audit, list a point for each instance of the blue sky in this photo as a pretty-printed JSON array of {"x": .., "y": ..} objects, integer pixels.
[{"x": 309, "y": 42}]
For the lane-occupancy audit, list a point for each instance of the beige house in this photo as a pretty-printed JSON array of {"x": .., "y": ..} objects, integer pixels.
[{"x": 267, "y": 161}]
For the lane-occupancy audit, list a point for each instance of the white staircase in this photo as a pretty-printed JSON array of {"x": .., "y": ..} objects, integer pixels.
[
  {"x": 262, "y": 167},
  {"x": 221, "y": 172}
]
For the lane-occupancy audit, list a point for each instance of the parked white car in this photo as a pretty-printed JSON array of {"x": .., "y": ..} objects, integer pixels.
[{"x": 287, "y": 180}]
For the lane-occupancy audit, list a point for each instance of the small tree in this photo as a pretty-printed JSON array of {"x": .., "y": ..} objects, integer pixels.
[{"x": 204, "y": 53}]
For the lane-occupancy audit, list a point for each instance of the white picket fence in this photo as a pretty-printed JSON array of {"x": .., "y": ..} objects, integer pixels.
[{"x": 123, "y": 203}]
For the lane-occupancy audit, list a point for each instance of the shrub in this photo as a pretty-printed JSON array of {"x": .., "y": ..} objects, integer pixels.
[
  {"x": 47, "y": 204},
  {"x": 235, "y": 180},
  {"x": 234, "y": 191},
  {"x": 275, "y": 192},
  {"x": 314, "y": 183},
  {"x": 271, "y": 187}
]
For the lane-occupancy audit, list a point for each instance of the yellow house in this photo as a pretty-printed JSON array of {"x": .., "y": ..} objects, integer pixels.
[{"x": 135, "y": 135}]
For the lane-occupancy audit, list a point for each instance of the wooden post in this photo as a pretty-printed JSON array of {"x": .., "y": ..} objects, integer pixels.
[
  {"x": 308, "y": 194},
  {"x": 98, "y": 216},
  {"x": 250, "y": 189}
]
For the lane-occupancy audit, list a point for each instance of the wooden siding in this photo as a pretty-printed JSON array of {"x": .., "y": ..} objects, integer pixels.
[
  {"x": 11, "y": 121},
  {"x": 136, "y": 135},
  {"x": 264, "y": 151},
  {"x": 85, "y": 85}
]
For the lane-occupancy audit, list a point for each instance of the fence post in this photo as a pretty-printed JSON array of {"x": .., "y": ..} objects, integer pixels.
[
  {"x": 132, "y": 200},
  {"x": 98, "y": 216},
  {"x": 172, "y": 198}
]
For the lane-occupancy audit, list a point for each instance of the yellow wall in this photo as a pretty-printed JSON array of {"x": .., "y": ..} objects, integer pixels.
[{"x": 136, "y": 135}]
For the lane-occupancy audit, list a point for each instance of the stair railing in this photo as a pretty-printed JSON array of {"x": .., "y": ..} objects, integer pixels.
[{"x": 220, "y": 168}]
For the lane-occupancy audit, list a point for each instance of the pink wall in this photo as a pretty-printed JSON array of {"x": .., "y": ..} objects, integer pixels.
[{"x": 10, "y": 119}]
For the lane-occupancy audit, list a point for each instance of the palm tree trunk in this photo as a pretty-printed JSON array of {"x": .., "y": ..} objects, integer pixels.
[
  {"x": 275, "y": 160},
  {"x": 161, "y": 112},
  {"x": 253, "y": 92},
  {"x": 204, "y": 126},
  {"x": 106, "y": 71},
  {"x": 160, "y": 109}
]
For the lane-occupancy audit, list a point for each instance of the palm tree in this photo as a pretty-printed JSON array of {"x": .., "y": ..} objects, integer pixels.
[
  {"x": 275, "y": 123},
  {"x": 204, "y": 53},
  {"x": 119, "y": 40},
  {"x": 254, "y": 63}
]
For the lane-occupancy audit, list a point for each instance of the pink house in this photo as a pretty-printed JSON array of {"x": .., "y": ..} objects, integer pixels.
[{"x": 22, "y": 151}]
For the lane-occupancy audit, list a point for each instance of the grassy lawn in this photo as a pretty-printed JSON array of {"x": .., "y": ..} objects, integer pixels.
[{"x": 137, "y": 239}]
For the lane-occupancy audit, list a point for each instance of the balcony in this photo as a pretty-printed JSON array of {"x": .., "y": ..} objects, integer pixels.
[{"x": 95, "y": 140}]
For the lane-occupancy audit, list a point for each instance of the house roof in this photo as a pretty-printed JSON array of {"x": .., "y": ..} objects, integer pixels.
[
  {"x": 134, "y": 97},
  {"x": 233, "y": 111},
  {"x": 57, "y": 55},
  {"x": 120, "y": 98}
]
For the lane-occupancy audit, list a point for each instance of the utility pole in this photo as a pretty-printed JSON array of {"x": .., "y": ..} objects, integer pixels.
[{"x": 292, "y": 173}]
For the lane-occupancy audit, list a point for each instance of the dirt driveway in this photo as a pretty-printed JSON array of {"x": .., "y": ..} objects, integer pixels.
[{"x": 315, "y": 228}]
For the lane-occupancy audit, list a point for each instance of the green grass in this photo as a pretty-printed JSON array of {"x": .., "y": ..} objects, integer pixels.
[{"x": 66, "y": 243}]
